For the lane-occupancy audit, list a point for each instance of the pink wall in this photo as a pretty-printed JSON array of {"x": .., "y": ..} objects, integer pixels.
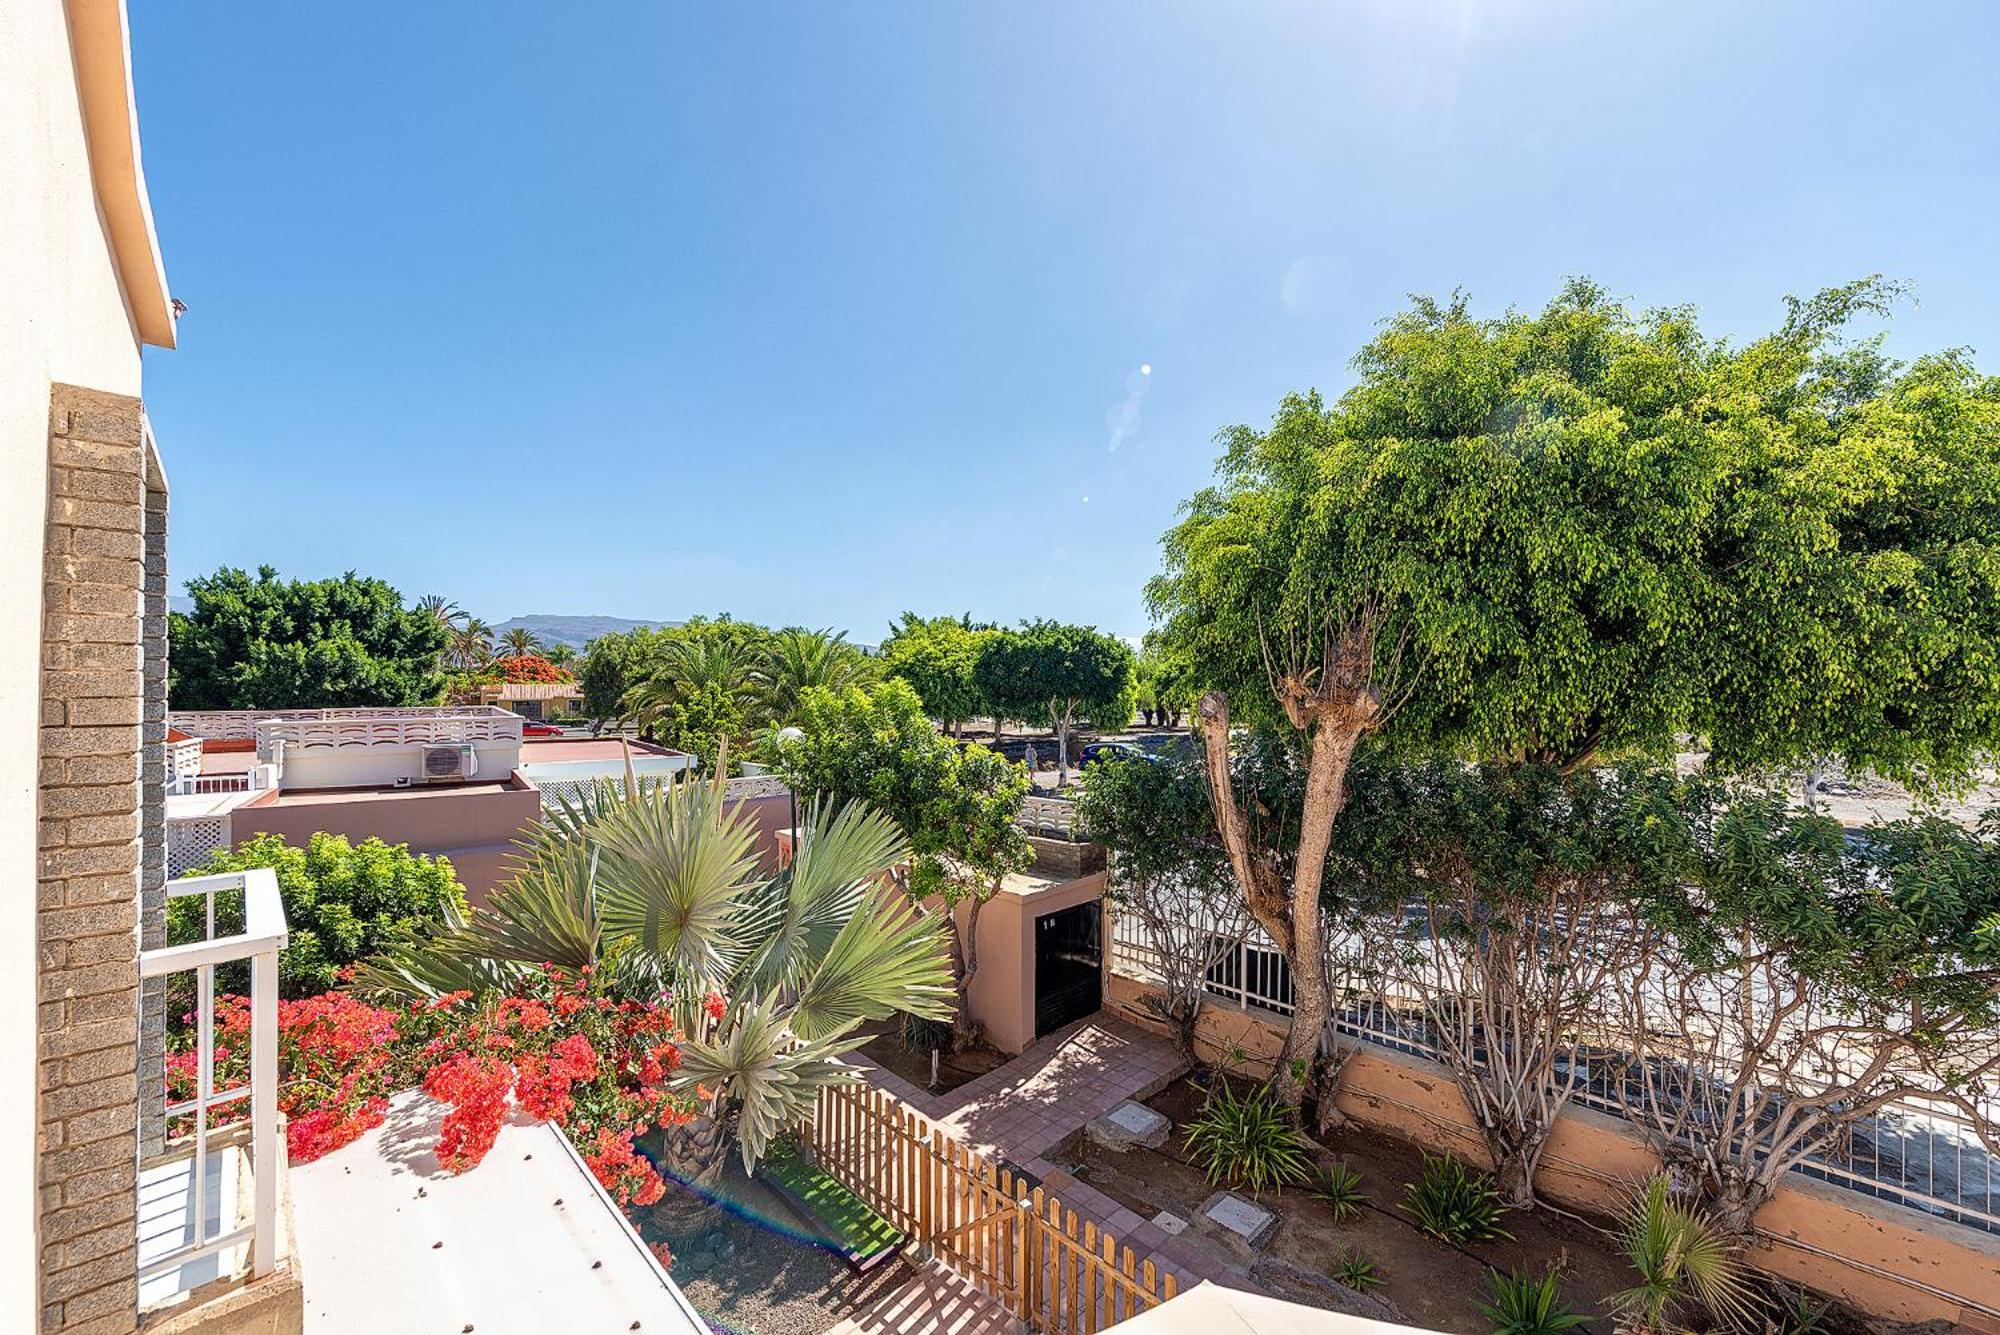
[
  {"x": 1002, "y": 995},
  {"x": 474, "y": 827}
]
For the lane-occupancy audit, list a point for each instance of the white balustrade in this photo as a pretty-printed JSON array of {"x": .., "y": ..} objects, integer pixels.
[{"x": 262, "y": 937}]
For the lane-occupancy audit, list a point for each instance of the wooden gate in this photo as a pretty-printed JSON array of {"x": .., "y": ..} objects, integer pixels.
[{"x": 1021, "y": 1246}]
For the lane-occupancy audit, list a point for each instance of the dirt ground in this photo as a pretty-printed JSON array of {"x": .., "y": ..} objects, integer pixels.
[
  {"x": 886, "y": 1050},
  {"x": 1430, "y": 1283},
  {"x": 750, "y": 1267}
]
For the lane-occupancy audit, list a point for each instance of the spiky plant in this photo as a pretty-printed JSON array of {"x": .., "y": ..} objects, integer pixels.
[
  {"x": 1357, "y": 1272},
  {"x": 1247, "y": 1140},
  {"x": 1681, "y": 1259},
  {"x": 1523, "y": 1303},
  {"x": 1453, "y": 1201},
  {"x": 1340, "y": 1187},
  {"x": 660, "y": 891}
]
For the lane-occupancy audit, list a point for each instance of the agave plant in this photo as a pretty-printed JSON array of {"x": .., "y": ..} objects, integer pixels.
[
  {"x": 1523, "y": 1303},
  {"x": 1681, "y": 1259},
  {"x": 660, "y": 892}
]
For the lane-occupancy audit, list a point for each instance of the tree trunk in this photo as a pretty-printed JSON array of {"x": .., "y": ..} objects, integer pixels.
[
  {"x": 1515, "y": 1158},
  {"x": 1732, "y": 1207},
  {"x": 964, "y": 964},
  {"x": 1062, "y": 722}
]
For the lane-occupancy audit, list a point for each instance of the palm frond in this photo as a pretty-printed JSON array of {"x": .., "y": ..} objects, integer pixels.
[
  {"x": 674, "y": 870},
  {"x": 796, "y": 921},
  {"x": 888, "y": 957},
  {"x": 772, "y": 1075}
]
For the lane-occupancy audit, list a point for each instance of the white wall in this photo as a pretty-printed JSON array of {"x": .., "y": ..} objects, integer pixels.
[{"x": 62, "y": 318}]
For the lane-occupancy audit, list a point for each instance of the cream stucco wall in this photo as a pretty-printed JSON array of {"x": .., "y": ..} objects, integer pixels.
[{"x": 62, "y": 319}]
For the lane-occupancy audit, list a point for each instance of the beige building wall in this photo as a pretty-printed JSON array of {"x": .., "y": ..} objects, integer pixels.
[{"x": 80, "y": 290}]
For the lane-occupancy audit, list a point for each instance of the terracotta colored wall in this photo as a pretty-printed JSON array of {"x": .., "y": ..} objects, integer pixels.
[
  {"x": 1881, "y": 1258},
  {"x": 475, "y": 829},
  {"x": 1002, "y": 995}
]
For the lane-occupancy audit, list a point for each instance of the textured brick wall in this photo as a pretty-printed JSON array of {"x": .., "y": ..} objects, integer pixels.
[{"x": 93, "y": 705}]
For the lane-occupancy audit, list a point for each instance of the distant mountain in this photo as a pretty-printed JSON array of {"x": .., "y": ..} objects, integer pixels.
[{"x": 575, "y": 631}]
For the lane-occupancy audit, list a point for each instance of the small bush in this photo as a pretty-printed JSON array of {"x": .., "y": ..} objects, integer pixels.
[
  {"x": 1340, "y": 1188},
  {"x": 1520, "y": 1303},
  {"x": 1357, "y": 1272},
  {"x": 1452, "y": 1201},
  {"x": 343, "y": 902},
  {"x": 1247, "y": 1141}
]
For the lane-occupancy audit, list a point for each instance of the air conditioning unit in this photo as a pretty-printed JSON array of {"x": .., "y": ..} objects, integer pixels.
[{"x": 450, "y": 764}]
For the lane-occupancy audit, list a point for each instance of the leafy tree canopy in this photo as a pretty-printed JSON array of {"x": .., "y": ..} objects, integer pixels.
[
  {"x": 956, "y": 804},
  {"x": 343, "y": 901},
  {"x": 1059, "y": 672},
  {"x": 1594, "y": 531},
  {"x": 937, "y": 657},
  {"x": 270, "y": 643}
]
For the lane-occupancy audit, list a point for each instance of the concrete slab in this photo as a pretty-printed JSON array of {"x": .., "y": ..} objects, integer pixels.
[
  {"x": 1130, "y": 1124},
  {"x": 1240, "y": 1215}
]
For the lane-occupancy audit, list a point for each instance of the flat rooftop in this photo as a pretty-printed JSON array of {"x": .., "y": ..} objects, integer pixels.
[
  {"x": 554, "y": 750},
  {"x": 309, "y": 797},
  {"x": 525, "y": 1244}
]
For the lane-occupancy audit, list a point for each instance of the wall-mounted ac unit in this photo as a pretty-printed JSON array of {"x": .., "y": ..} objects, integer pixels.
[{"x": 450, "y": 764}]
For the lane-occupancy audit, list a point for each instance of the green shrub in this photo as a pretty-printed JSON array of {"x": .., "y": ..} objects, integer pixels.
[
  {"x": 1357, "y": 1272},
  {"x": 1452, "y": 1201},
  {"x": 1340, "y": 1187},
  {"x": 1520, "y": 1303},
  {"x": 1682, "y": 1261},
  {"x": 1247, "y": 1141},
  {"x": 343, "y": 901}
]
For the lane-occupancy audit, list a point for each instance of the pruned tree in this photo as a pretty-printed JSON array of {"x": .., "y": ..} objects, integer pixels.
[
  {"x": 1522, "y": 893},
  {"x": 1824, "y": 979},
  {"x": 936, "y": 656},
  {"x": 1285, "y": 618}
]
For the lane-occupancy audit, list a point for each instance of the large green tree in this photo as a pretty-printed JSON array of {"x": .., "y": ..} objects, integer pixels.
[
  {"x": 1585, "y": 532},
  {"x": 937, "y": 656},
  {"x": 1059, "y": 672},
  {"x": 271, "y": 643},
  {"x": 957, "y": 805}
]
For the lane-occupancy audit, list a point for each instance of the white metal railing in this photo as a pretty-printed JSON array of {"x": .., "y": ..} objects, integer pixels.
[
  {"x": 263, "y": 935},
  {"x": 1926, "y": 1156}
]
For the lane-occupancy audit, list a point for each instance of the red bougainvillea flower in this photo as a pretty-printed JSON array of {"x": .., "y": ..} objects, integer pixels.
[{"x": 714, "y": 1005}]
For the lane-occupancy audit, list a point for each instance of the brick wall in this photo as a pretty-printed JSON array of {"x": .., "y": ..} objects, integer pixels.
[{"x": 93, "y": 720}]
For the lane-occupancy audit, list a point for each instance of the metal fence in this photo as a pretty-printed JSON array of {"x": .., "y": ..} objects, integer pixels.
[{"x": 1925, "y": 1156}]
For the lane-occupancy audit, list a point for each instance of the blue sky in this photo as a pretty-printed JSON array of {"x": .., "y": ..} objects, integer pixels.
[{"x": 816, "y": 312}]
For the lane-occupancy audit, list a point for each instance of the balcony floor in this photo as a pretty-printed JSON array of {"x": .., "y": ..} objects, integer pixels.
[{"x": 526, "y": 1242}]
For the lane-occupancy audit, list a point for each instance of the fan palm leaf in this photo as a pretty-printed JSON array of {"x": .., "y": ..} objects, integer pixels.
[
  {"x": 674, "y": 873},
  {"x": 800, "y": 915},
  {"x": 771, "y": 1074}
]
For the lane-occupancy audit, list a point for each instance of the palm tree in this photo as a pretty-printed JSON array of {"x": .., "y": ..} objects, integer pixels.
[
  {"x": 521, "y": 640},
  {"x": 562, "y": 655},
  {"x": 1681, "y": 1259},
  {"x": 690, "y": 669},
  {"x": 444, "y": 609},
  {"x": 795, "y": 659},
  {"x": 660, "y": 891},
  {"x": 470, "y": 646}
]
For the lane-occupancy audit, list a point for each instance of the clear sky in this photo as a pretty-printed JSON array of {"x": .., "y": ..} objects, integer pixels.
[{"x": 816, "y": 312}]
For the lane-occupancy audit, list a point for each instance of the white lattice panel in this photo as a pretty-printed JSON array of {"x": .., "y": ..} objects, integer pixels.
[{"x": 192, "y": 841}]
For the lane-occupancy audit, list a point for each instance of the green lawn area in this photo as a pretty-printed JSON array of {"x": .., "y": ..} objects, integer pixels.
[{"x": 841, "y": 1217}]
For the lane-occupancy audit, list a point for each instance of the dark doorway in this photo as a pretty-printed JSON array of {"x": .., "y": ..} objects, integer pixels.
[{"x": 1069, "y": 958}]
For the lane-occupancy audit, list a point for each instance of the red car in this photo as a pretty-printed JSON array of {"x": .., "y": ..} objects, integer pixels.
[{"x": 529, "y": 728}]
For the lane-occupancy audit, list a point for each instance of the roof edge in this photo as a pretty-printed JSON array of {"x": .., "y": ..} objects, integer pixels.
[{"x": 101, "y": 48}]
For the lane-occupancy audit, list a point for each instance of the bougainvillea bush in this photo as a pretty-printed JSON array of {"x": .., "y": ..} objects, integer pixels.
[
  {"x": 551, "y": 1046},
  {"x": 529, "y": 668}
]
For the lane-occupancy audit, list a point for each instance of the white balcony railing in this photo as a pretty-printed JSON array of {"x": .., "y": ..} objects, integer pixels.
[
  {"x": 185, "y": 1225},
  {"x": 416, "y": 726}
]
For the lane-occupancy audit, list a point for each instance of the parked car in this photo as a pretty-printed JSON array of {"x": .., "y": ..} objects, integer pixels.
[
  {"x": 1097, "y": 751},
  {"x": 532, "y": 729}
]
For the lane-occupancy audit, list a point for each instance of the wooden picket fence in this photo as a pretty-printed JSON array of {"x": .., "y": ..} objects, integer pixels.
[{"x": 1024, "y": 1248}]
